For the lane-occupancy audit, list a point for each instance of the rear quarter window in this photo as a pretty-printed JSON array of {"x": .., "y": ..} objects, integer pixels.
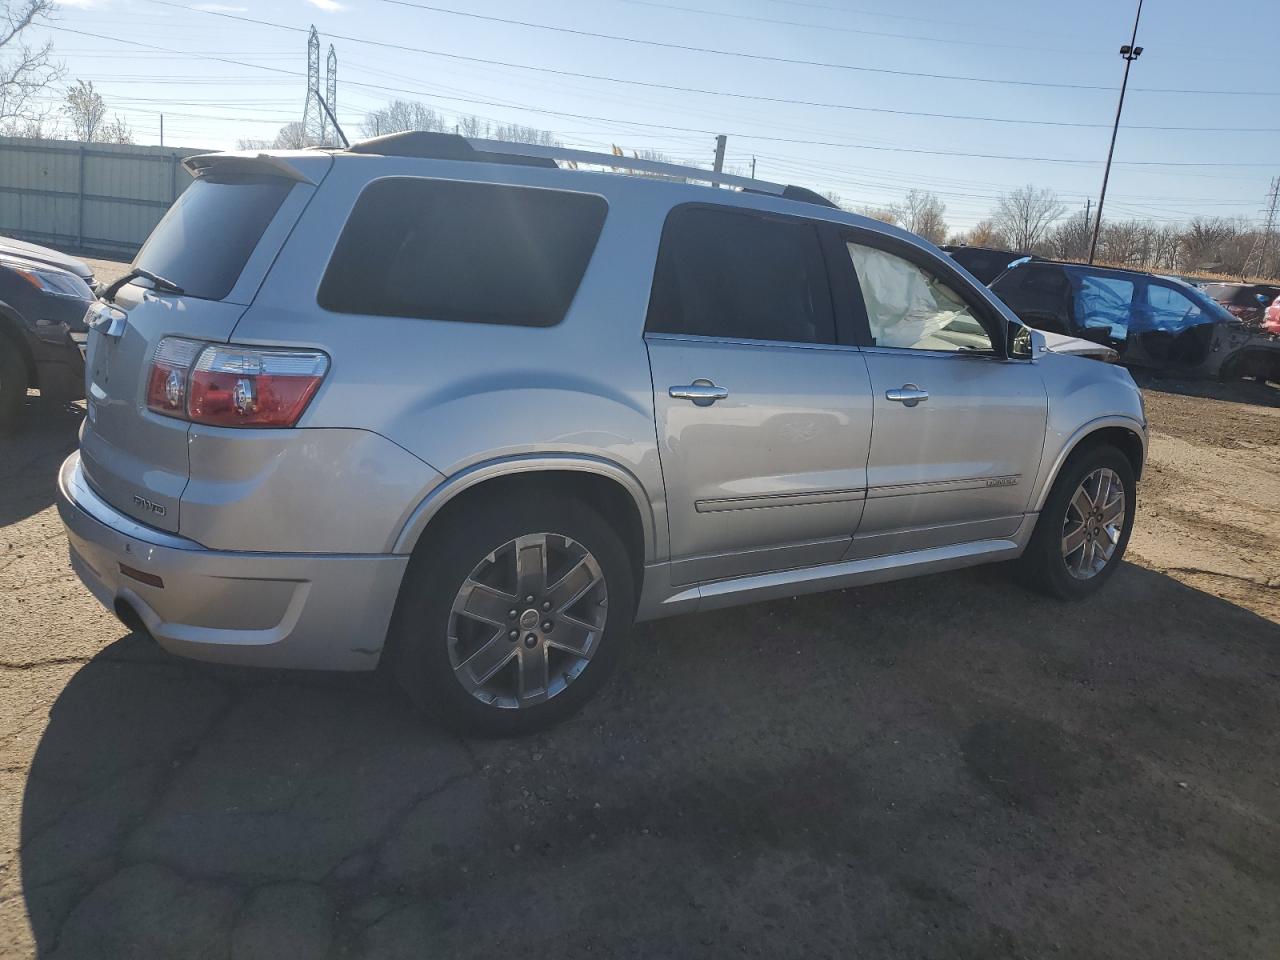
[
  {"x": 208, "y": 235},
  {"x": 468, "y": 252}
]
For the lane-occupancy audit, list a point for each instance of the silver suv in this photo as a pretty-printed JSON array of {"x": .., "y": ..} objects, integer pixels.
[{"x": 450, "y": 408}]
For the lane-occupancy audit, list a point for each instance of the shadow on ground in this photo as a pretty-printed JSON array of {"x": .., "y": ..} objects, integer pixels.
[
  {"x": 1236, "y": 391},
  {"x": 30, "y": 457},
  {"x": 945, "y": 767}
]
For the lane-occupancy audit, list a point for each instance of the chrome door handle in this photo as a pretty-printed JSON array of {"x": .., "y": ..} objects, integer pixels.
[
  {"x": 702, "y": 392},
  {"x": 908, "y": 395}
]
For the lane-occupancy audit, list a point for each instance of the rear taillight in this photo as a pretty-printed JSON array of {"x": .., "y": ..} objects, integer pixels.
[
  {"x": 167, "y": 378},
  {"x": 232, "y": 386}
]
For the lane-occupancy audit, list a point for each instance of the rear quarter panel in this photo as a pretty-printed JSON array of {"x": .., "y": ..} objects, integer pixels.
[{"x": 460, "y": 395}]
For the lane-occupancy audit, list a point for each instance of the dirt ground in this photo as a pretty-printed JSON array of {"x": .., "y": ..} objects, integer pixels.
[{"x": 944, "y": 767}]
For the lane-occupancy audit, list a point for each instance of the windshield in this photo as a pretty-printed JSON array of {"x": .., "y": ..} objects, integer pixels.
[{"x": 205, "y": 239}]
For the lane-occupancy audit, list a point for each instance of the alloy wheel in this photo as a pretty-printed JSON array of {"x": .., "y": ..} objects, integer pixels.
[
  {"x": 527, "y": 620},
  {"x": 1094, "y": 522}
]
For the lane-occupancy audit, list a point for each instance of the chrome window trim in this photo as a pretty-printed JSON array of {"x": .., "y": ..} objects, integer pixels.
[{"x": 748, "y": 342}]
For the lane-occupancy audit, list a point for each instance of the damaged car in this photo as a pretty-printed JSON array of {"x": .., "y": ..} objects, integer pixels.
[
  {"x": 43, "y": 299},
  {"x": 1244, "y": 301},
  {"x": 1154, "y": 322}
]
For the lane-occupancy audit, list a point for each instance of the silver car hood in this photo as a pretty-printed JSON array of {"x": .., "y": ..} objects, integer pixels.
[{"x": 1074, "y": 346}]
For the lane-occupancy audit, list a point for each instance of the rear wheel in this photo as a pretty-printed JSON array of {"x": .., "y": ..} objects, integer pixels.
[
  {"x": 1084, "y": 527},
  {"x": 512, "y": 616},
  {"x": 13, "y": 384}
]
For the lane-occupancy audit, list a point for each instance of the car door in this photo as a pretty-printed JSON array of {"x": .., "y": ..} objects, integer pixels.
[
  {"x": 958, "y": 425},
  {"x": 1168, "y": 329},
  {"x": 763, "y": 420}
]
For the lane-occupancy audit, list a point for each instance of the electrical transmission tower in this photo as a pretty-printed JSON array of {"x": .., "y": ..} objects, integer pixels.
[
  {"x": 313, "y": 118},
  {"x": 331, "y": 89},
  {"x": 1260, "y": 255}
]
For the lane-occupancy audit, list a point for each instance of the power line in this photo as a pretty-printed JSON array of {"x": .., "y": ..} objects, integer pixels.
[
  {"x": 791, "y": 60},
  {"x": 702, "y": 11},
  {"x": 678, "y": 88},
  {"x": 703, "y": 130}
]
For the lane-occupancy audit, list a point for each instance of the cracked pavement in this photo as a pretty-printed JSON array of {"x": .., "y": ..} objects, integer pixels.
[{"x": 936, "y": 768}]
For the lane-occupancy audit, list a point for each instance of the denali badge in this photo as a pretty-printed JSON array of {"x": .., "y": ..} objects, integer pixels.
[
  {"x": 993, "y": 482},
  {"x": 146, "y": 504}
]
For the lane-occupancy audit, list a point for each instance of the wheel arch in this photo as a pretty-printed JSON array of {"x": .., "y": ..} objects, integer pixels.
[
  {"x": 610, "y": 488},
  {"x": 1127, "y": 435}
]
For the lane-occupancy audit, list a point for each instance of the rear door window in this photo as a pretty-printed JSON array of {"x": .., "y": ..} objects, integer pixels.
[
  {"x": 734, "y": 274},
  {"x": 207, "y": 236},
  {"x": 1104, "y": 302},
  {"x": 469, "y": 252}
]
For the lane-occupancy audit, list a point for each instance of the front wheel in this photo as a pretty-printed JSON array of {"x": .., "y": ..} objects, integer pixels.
[
  {"x": 1084, "y": 527},
  {"x": 513, "y": 615}
]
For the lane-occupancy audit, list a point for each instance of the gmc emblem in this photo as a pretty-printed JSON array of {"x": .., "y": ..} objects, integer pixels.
[{"x": 149, "y": 505}]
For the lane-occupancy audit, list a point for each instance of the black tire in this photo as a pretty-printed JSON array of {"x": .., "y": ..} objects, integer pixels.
[
  {"x": 1043, "y": 566},
  {"x": 418, "y": 647},
  {"x": 13, "y": 385}
]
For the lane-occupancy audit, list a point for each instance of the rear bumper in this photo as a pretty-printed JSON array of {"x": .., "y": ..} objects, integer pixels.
[{"x": 310, "y": 611}]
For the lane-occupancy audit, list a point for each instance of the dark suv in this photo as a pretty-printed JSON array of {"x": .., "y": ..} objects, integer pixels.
[
  {"x": 1150, "y": 321},
  {"x": 985, "y": 263},
  {"x": 43, "y": 298}
]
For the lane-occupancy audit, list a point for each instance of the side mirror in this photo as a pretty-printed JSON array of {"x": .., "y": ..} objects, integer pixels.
[{"x": 1024, "y": 342}]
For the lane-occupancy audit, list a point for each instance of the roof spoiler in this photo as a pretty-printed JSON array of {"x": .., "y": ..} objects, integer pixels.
[{"x": 266, "y": 164}]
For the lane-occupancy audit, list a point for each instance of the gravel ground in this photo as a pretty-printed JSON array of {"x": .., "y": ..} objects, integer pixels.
[{"x": 944, "y": 767}]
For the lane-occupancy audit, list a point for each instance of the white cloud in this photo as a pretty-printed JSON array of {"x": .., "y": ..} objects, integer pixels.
[
  {"x": 330, "y": 6},
  {"x": 211, "y": 7}
]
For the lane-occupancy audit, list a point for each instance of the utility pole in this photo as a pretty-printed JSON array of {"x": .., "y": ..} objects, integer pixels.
[
  {"x": 162, "y": 129},
  {"x": 753, "y": 168},
  {"x": 1131, "y": 52},
  {"x": 1263, "y": 247},
  {"x": 719, "y": 164}
]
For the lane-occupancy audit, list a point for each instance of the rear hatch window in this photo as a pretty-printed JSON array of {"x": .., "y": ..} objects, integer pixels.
[
  {"x": 471, "y": 252},
  {"x": 205, "y": 239}
]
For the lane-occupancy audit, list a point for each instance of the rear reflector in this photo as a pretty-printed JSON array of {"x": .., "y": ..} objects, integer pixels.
[
  {"x": 233, "y": 386},
  {"x": 141, "y": 576}
]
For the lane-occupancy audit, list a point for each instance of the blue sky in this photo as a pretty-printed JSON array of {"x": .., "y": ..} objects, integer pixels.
[{"x": 1054, "y": 51}]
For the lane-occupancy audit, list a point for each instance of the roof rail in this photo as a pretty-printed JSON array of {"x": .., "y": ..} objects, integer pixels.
[{"x": 451, "y": 146}]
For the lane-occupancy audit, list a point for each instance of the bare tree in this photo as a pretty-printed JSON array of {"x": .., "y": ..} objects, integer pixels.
[
  {"x": 921, "y": 212},
  {"x": 1025, "y": 215},
  {"x": 516, "y": 133},
  {"x": 1165, "y": 242},
  {"x": 835, "y": 198},
  {"x": 983, "y": 234},
  {"x": 883, "y": 214},
  {"x": 116, "y": 130},
  {"x": 1125, "y": 242},
  {"x": 292, "y": 136},
  {"x": 400, "y": 116},
  {"x": 1069, "y": 240},
  {"x": 1204, "y": 241},
  {"x": 85, "y": 109},
  {"x": 25, "y": 71}
]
